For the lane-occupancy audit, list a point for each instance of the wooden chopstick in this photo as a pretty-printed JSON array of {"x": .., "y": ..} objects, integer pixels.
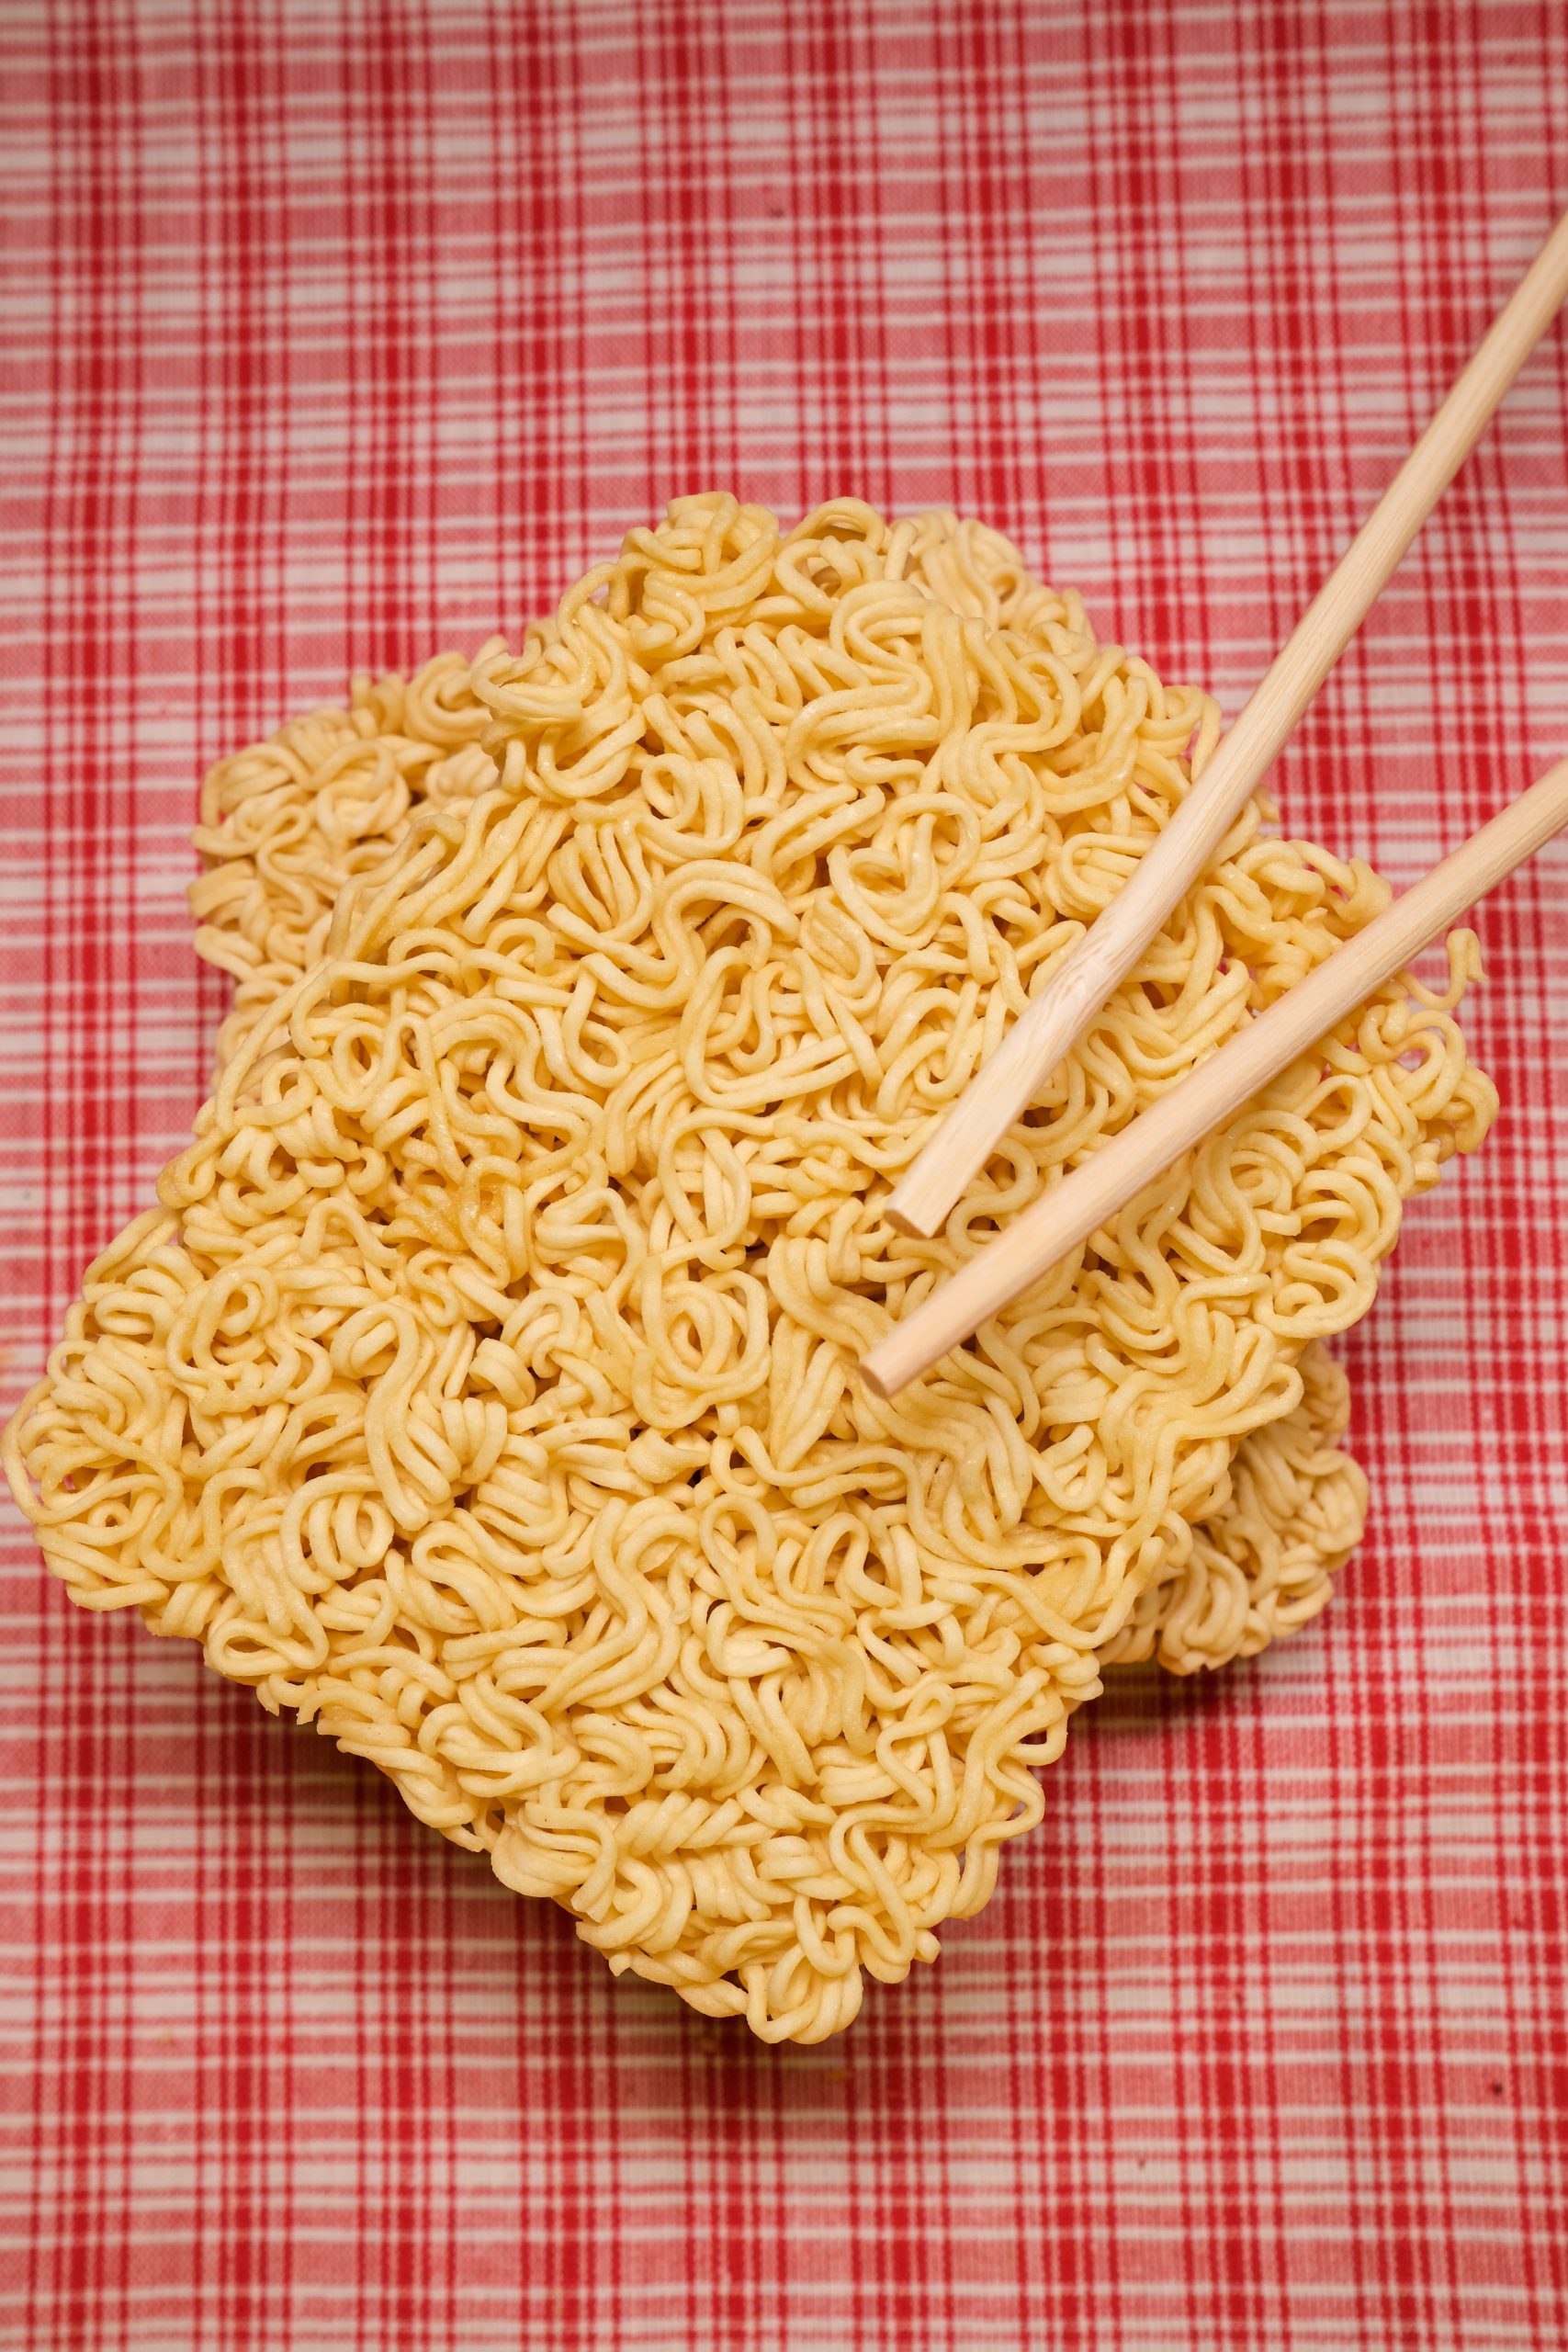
[
  {"x": 1047, "y": 1031},
  {"x": 1084, "y": 1201}
]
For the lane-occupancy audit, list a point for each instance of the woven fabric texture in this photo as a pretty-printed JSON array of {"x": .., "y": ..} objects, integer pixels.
[{"x": 333, "y": 333}]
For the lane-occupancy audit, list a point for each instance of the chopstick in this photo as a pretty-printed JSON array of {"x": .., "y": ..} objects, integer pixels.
[
  {"x": 1093, "y": 1193},
  {"x": 1047, "y": 1029}
]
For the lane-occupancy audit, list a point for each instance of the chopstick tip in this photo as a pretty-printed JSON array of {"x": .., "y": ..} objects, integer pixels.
[{"x": 918, "y": 1205}]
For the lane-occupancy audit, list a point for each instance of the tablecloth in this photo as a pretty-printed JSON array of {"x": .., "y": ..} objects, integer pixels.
[{"x": 336, "y": 331}]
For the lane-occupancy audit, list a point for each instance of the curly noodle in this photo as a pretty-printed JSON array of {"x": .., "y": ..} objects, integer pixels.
[
  {"x": 288, "y": 824},
  {"x": 483, "y": 1388}
]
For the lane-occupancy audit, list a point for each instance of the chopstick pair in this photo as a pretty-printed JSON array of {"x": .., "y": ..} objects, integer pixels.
[
  {"x": 1051, "y": 1026},
  {"x": 1093, "y": 1193}
]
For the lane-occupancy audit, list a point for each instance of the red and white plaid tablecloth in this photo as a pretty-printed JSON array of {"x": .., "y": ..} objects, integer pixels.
[{"x": 333, "y": 332}]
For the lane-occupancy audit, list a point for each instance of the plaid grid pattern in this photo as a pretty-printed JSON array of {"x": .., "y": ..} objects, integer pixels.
[{"x": 337, "y": 331}]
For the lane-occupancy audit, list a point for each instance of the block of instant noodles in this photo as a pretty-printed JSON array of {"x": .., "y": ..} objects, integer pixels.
[{"x": 482, "y": 1388}]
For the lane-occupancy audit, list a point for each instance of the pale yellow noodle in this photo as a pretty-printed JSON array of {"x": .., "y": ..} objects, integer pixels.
[
  {"x": 483, "y": 1388},
  {"x": 288, "y": 823}
]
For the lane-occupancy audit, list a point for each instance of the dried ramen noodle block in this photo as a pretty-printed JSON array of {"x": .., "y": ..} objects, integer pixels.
[{"x": 482, "y": 1388}]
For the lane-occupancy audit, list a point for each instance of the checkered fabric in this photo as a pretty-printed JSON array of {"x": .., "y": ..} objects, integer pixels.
[{"x": 335, "y": 331}]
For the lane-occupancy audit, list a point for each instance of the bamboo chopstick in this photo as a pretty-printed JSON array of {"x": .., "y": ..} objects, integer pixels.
[
  {"x": 1094, "y": 1193},
  {"x": 1003, "y": 1087}
]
